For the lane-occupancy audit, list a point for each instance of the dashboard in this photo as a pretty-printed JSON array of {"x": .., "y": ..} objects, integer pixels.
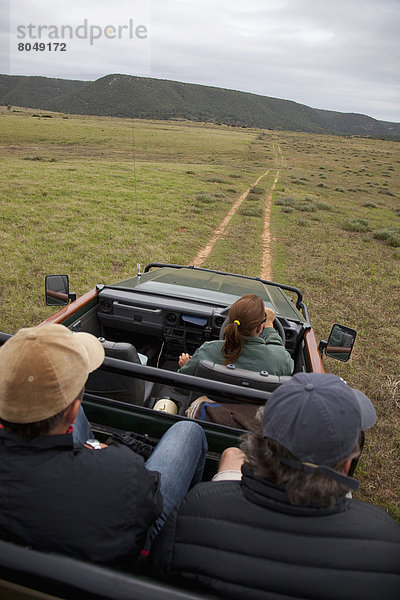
[
  {"x": 177, "y": 322},
  {"x": 168, "y": 319}
]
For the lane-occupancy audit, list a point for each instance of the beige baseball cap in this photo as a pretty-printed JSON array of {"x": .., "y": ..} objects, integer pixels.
[{"x": 43, "y": 369}]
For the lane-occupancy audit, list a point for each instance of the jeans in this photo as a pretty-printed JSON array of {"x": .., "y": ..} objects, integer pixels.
[
  {"x": 179, "y": 457},
  {"x": 81, "y": 428}
]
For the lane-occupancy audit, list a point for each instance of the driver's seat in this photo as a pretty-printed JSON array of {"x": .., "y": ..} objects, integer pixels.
[{"x": 257, "y": 380}]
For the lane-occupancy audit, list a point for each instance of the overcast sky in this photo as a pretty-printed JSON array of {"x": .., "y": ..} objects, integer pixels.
[{"x": 335, "y": 54}]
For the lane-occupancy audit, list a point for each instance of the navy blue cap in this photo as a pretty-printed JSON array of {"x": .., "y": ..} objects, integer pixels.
[{"x": 318, "y": 418}]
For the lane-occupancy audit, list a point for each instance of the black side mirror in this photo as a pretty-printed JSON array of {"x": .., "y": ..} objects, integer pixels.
[
  {"x": 340, "y": 342},
  {"x": 57, "y": 290}
]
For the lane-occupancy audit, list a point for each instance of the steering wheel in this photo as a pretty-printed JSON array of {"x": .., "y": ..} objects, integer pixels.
[{"x": 277, "y": 325}]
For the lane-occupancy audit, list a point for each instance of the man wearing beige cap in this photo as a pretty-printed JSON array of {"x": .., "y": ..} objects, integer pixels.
[{"x": 56, "y": 494}]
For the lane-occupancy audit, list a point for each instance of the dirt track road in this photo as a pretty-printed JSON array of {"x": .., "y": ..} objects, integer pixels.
[{"x": 203, "y": 254}]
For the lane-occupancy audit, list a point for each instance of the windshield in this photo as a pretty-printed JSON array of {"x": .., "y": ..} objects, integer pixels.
[{"x": 213, "y": 288}]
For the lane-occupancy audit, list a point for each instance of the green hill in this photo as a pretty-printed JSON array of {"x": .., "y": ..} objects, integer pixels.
[{"x": 143, "y": 97}]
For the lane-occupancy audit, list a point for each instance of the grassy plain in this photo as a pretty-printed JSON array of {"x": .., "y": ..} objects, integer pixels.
[{"x": 89, "y": 195}]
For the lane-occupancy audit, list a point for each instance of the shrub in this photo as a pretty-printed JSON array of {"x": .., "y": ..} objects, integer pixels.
[
  {"x": 257, "y": 190},
  {"x": 386, "y": 192},
  {"x": 249, "y": 211},
  {"x": 231, "y": 190},
  {"x": 285, "y": 202},
  {"x": 322, "y": 176},
  {"x": 339, "y": 189},
  {"x": 391, "y": 236},
  {"x": 287, "y": 209},
  {"x": 204, "y": 198},
  {"x": 190, "y": 172},
  {"x": 234, "y": 176},
  {"x": 216, "y": 180},
  {"x": 309, "y": 207},
  {"x": 322, "y": 185},
  {"x": 323, "y": 206},
  {"x": 359, "y": 225},
  {"x": 369, "y": 205}
]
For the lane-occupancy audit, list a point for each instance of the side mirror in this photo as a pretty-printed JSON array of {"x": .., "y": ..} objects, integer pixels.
[
  {"x": 340, "y": 343},
  {"x": 57, "y": 290}
]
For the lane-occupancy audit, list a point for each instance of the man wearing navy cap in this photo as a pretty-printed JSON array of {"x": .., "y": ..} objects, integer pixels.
[{"x": 278, "y": 521}]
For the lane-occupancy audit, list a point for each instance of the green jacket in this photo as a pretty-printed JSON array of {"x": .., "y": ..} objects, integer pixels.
[{"x": 263, "y": 353}]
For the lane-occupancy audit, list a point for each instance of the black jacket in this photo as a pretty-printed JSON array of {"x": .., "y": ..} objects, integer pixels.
[
  {"x": 244, "y": 540},
  {"x": 91, "y": 504}
]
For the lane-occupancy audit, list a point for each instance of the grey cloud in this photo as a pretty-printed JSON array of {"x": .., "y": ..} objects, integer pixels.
[{"x": 340, "y": 55}]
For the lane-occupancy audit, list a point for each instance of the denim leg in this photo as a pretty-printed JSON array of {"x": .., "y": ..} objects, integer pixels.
[
  {"x": 82, "y": 430},
  {"x": 179, "y": 457}
]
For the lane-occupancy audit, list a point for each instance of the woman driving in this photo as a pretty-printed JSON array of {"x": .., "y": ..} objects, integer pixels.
[{"x": 250, "y": 342}]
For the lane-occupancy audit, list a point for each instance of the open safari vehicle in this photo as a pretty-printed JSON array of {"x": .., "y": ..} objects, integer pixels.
[{"x": 145, "y": 323}]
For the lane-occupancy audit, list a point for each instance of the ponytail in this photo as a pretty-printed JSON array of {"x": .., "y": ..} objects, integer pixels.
[
  {"x": 243, "y": 317},
  {"x": 233, "y": 344}
]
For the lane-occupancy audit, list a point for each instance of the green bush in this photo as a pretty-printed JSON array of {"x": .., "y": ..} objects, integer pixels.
[
  {"x": 359, "y": 225},
  {"x": 390, "y": 235},
  {"x": 249, "y": 211},
  {"x": 323, "y": 206},
  {"x": 285, "y": 202},
  {"x": 339, "y": 189},
  {"x": 204, "y": 198},
  {"x": 216, "y": 180},
  {"x": 309, "y": 207},
  {"x": 257, "y": 190},
  {"x": 287, "y": 209},
  {"x": 369, "y": 205}
]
